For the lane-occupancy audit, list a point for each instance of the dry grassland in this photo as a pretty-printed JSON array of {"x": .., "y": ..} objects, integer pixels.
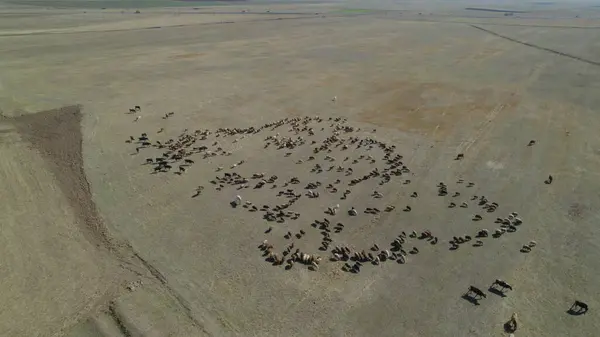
[{"x": 94, "y": 243}]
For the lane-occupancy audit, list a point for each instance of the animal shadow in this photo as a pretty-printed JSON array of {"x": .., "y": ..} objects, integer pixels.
[
  {"x": 496, "y": 291},
  {"x": 574, "y": 312},
  {"x": 470, "y": 299}
]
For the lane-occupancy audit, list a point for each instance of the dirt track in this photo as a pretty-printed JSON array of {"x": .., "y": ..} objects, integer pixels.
[{"x": 84, "y": 217}]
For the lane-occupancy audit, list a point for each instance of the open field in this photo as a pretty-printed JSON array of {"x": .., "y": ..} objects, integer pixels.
[{"x": 96, "y": 242}]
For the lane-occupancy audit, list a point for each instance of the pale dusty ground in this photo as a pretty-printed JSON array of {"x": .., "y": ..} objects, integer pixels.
[{"x": 433, "y": 86}]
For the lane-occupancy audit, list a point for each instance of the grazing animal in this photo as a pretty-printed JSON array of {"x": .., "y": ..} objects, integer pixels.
[
  {"x": 531, "y": 143},
  {"x": 525, "y": 249},
  {"x": 503, "y": 285},
  {"x": 549, "y": 180},
  {"x": 377, "y": 195},
  {"x": 512, "y": 324},
  {"x": 237, "y": 200},
  {"x": 398, "y": 242},
  {"x": 579, "y": 307},
  {"x": 476, "y": 292},
  {"x": 425, "y": 235}
]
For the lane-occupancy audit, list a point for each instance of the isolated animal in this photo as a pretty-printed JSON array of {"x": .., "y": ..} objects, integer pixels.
[
  {"x": 579, "y": 307},
  {"x": 502, "y": 284},
  {"x": 476, "y": 292},
  {"x": 512, "y": 324}
]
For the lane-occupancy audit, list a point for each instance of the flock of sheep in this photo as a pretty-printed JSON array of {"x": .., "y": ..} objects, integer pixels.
[{"x": 333, "y": 157}]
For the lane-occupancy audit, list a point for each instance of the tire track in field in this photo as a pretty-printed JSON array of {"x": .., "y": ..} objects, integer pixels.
[{"x": 553, "y": 51}]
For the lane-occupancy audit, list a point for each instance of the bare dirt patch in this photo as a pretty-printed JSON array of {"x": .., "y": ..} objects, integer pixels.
[
  {"x": 429, "y": 107},
  {"x": 577, "y": 211},
  {"x": 56, "y": 135},
  {"x": 187, "y": 56}
]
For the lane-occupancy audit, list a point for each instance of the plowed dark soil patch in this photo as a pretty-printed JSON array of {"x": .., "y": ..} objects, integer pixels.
[{"x": 56, "y": 135}]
